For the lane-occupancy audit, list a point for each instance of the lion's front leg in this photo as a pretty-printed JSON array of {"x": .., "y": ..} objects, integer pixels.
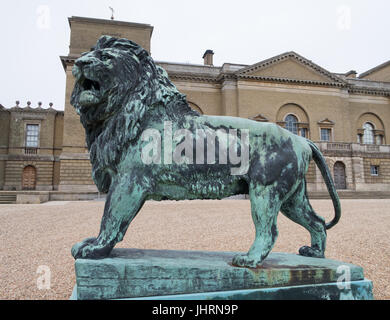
[{"x": 122, "y": 205}]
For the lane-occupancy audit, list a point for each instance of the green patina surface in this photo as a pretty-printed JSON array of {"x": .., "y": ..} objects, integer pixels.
[
  {"x": 132, "y": 273},
  {"x": 356, "y": 290},
  {"x": 120, "y": 94}
]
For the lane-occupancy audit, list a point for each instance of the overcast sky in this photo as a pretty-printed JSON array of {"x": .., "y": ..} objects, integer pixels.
[{"x": 337, "y": 35}]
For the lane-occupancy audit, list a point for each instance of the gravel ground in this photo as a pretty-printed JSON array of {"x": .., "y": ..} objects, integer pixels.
[{"x": 42, "y": 235}]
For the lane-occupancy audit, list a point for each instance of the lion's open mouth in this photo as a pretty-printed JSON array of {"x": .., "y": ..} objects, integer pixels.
[
  {"x": 88, "y": 84},
  {"x": 90, "y": 93}
]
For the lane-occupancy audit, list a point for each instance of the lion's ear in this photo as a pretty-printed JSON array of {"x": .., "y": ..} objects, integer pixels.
[
  {"x": 141, "y": 53},
  {"x": 105, "y": 42}
]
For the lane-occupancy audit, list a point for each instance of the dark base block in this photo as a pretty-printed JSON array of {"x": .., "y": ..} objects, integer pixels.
[
  {"x": 198, "y": 275},
  {"x": 358, "y": 290}
]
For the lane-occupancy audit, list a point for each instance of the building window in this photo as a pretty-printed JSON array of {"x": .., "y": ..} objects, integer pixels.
[
  {"x": 32, "y": 135},
  {"x": 368, "y": 135},
  {"x": 303, "y": 132},
  {"x": 292, "y": 123},
  {"x": 325, "y": 134},
  {"x": 374, "y": 170},
  {"x": 379, "y": 139}
]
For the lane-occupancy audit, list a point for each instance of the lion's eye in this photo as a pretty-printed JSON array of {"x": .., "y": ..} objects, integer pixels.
[{"x": 105, "y": 58}]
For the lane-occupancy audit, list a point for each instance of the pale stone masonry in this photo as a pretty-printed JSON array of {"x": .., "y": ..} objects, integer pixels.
[
  {"x": 75, "y": 173},
  {"x": 42, "y": 156},
  {"x": 347, "y": 115}
]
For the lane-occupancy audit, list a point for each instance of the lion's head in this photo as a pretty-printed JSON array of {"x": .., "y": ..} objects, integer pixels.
[
  {"x": 114, "y": 73},
  {"x": 117, "y": 83}
]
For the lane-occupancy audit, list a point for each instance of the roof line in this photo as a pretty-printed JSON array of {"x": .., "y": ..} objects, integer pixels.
[
  {"x": 188, "y": 64},
  {"x": 382, "y": 65},
  {"x": 300, "y": 58},
  {"x": 107, "y": 21}
]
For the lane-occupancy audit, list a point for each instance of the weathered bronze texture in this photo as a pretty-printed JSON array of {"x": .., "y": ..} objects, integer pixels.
[{"x": 121, "y": 94}]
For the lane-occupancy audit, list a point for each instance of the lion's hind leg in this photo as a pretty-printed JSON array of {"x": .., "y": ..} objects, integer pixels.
[
  {"x": 265, "y": 206},
  {"x": 299, "y": 210},
  {"x": 122, "y": 205}
]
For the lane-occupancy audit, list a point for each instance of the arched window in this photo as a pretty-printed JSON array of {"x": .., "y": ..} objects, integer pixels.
[
  {"x": 368, "y": 135},
  {"x": 291, "y": 123}
]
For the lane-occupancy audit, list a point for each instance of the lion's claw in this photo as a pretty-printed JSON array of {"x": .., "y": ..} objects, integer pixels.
[
  {"x": 311, "y": 252},
  {"x": 90, "y": 248},
  {"x": 77, "y": 249},
  {"x": 243, "y": 260}
]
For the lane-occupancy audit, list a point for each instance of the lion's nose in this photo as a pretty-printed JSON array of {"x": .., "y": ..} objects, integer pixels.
[{"x": 82, "y": 61}]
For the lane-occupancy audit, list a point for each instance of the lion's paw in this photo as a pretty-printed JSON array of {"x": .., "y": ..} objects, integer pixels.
[
  {"x": 311, "y": 252},
  {"x": 77, "y": 249},
  {"x": 90, "y": 248},
  {"x": 243, "y": 260}
]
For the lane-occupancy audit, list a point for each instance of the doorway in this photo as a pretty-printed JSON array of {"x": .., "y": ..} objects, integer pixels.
[
  {"x": 339, "y": 175},
  {"x": 29, "y": 178}
]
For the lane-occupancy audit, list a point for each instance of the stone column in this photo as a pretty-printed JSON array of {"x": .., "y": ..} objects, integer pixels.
[
  {"x": 229, "y": 98},
  {"x": 358, "y": 173}
]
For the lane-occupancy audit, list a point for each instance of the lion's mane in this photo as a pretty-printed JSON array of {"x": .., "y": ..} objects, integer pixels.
[{"x": 136, "y": 95}]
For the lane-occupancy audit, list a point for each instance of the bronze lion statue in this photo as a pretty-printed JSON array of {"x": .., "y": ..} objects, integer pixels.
[{"x": 128, "y": 105}]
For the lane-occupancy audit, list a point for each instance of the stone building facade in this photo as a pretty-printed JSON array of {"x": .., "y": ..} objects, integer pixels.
[
  {"x": 30, "y": 147},
  {"x": 75, "y": 173},
  {"x": 347, "y": 115}
]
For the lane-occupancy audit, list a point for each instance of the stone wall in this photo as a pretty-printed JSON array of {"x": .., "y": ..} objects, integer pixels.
[
  {"x": 384, "y": 171},
  {"x": 86, "y": 31},
  {"x": 14, "y": 172},
  {"x": 4, "y": 137},
  {"x": 76, "y": 175},
  {"x": 14, "y": 153}
]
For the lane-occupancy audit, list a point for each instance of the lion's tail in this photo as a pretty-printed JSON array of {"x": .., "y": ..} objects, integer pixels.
[{"x": 320, "y": 162}]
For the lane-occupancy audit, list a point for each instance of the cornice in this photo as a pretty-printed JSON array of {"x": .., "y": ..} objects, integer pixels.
[
  {"x": 326, "y": 121},
  {"x": 227, "y": 76},
  {"x": 110, "y": 22},
  {"x": 3, "y": 109},
  {"x": 189, "y": 77},
  {"x": 370, "y": 91},
  {"x": 68, "y": 60},
  {"x": 351, "y": 88},
  {"x": 34, "y": 110},
  {"x": 294, "y": 81}
]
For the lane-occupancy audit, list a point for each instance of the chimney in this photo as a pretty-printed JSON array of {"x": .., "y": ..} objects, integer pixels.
[
  {"x": 351, "y": 74},
  {"x": 208, "y": 57}
]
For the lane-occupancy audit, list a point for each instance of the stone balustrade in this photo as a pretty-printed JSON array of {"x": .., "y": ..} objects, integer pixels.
[{"x": 352, "y": 147}]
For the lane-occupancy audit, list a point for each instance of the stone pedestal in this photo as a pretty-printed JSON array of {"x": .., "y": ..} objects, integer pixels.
[{"x": 198, "y": 275}]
